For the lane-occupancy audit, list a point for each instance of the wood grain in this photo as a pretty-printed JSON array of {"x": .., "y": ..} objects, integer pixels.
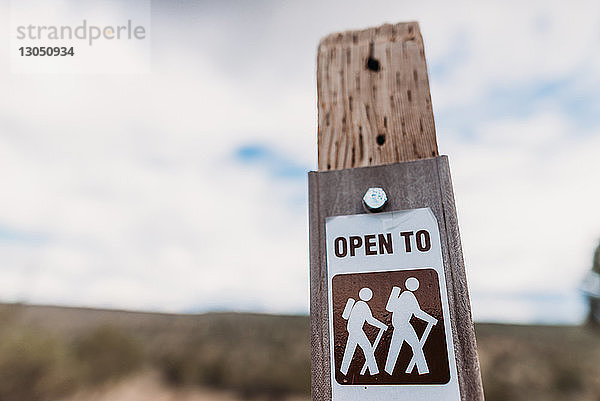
[
  {"x": 410, "y": 185},
  {"x": 373, "y": 98}
]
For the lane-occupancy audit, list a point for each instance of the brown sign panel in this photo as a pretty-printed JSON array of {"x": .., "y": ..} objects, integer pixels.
[{"x": 388, "y": 328}]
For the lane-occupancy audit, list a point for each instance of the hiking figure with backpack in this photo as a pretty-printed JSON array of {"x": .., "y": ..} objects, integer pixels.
[
  {"x": 358, "y": 313},
  {"x": 404, "y": 305}
]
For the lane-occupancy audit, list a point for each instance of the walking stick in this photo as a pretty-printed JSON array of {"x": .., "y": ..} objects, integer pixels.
[
  {"x": 422, "y": 342},
  {"x": 375, "y": 344}
]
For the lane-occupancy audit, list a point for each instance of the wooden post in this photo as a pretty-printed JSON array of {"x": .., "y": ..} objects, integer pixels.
[
  {"x": 374, "y": 102},
  {"x": 375, "y": 112}
]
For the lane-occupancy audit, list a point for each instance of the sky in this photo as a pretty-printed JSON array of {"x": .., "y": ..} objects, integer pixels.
[{"x": 183, "y": 188}]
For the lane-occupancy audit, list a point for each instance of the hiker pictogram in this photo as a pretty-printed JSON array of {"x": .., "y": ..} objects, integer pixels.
[
  {"x": 359, "y": 313},
  {"x": 404, "y": 305},
  {"x": 394, "y": 333}
]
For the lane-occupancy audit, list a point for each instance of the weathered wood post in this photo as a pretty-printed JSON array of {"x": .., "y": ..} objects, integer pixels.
[{"x": 390, "y": 312}]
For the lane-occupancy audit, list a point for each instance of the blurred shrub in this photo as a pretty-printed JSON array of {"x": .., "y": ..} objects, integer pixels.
[
  {"x": 550, "y": 363},
  {"x": 107, "y": 353},
  {"x": 252, "y": 354},
  {"x": 266, "y": 356},
  {"x": 35, "y": 367}
]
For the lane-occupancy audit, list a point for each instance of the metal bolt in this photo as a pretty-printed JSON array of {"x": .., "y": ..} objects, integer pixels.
[{"x": 374, "y": 199}]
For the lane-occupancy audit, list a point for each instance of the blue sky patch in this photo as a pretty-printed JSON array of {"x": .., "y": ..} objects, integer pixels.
[
  {"x": 565, "y": 96},
  {"x": 8, "y": 234},
  {"x": 276, "y": 164}
]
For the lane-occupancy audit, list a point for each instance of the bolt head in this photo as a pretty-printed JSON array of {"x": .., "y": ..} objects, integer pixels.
[{"x": 374, "y": 199}]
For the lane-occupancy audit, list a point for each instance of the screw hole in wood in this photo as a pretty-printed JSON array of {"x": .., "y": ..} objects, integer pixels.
[{"x": 373, "y": 64}]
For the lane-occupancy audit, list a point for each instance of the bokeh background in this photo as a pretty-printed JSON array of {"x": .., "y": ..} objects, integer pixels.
[{"x": 183, "y": 189}]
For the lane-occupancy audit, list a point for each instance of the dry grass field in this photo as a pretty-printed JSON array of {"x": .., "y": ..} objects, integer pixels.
[
  {"x": 149, "y": 386},
  {"x": 75, "y": 354}
]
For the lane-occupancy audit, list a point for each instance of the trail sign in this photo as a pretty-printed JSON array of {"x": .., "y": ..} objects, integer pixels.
[
  {"x": 390, "y": 313},
  {"x": 388, "y": 308}
]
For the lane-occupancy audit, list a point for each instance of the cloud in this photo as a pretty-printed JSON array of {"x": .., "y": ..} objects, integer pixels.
[
  {"x": 525, "y": 199},
  {"x": 530, "y": 308},
  {"x": 185, "y": 189}
]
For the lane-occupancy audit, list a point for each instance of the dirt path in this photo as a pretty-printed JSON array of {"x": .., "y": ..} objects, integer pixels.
[{"x": 148, "y": 387}]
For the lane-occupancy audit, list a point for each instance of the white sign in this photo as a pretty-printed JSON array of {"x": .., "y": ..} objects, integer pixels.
[{"x": 389, "y": 320}]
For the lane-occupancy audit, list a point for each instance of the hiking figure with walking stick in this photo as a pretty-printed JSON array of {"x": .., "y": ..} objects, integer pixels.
[
  {"x": 404, "y": 305},
  {"x": 357, "y": 313}
]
